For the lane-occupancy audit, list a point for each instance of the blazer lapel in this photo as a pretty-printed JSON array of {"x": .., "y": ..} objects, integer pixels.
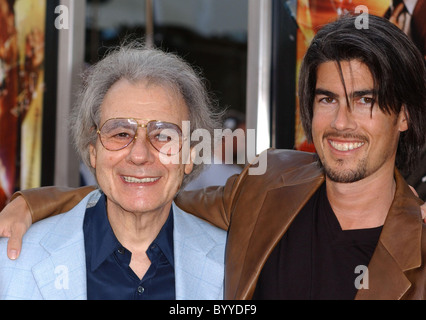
[
  {"x": 386, "y": 280},
  {"x": 62, "y": 274},
  {"x": 399, "y": 247},
  {"x": 264, "y": 226},
  {"x": 199, "y": 258}
]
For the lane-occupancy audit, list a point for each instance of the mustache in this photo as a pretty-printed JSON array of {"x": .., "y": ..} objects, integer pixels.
[{"x": 345, "y": 135}]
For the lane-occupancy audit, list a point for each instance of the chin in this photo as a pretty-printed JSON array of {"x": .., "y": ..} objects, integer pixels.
[
  {"x": 342, "y": 175},
  {"x": 139, "y": 209},
  {"x": 345, "y": 177}
]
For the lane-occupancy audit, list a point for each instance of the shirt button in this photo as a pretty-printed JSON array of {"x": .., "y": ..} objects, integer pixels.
[
  {"x": 141, "y": 289},
  {"x": 121, "y": 250}
]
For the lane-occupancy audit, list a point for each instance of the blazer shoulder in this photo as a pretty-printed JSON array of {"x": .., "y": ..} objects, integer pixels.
[
  {"x": 32, "y": 252},
  {"x": 52, "y": 241},
  {"x": 286, "y": 158},
  {"x": 283, "y": 167},
  {"x": 189, "y": 225},
  {"x": 49, "y": 234}
]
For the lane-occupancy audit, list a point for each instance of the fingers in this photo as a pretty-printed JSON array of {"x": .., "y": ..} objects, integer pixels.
[
  {"x": 15, "y": 220},
  {"x": 14, "y": 244}
]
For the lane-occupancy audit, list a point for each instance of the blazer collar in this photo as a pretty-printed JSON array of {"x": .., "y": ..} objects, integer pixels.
[
  {"x": 404, "y": 211},
  {"x": 199, "y": 258},
  {"x": 399, "y": 247}
]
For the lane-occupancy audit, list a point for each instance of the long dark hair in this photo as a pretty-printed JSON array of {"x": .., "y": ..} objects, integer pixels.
[{"x": 397, "y": 67}]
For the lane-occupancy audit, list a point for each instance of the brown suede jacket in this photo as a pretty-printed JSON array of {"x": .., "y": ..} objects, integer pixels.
[{"x": 258, "y": 209}]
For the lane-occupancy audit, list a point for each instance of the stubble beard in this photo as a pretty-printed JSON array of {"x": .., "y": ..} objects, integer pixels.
[{"x": 345, "y": 175}]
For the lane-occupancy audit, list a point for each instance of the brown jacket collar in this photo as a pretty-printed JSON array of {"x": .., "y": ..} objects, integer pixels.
[{"x": 399, "y": 249}]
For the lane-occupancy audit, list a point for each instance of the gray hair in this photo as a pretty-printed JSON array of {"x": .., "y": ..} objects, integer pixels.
[{"x": 135, "y": 62}]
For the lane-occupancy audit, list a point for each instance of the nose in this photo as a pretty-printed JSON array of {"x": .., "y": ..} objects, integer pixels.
[
  {"x": 141, "y": 150},
  {"x": 343, "y": 118}
]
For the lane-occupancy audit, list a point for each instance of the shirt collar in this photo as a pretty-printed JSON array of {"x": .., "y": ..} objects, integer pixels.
[
  {"x": 410, "y": 5},
  {"x": 164, "y": 239},
  {"x": 102, "y": 241}
]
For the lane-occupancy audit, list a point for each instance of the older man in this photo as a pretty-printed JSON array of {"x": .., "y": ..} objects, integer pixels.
[{"x": 127, "y": 240}]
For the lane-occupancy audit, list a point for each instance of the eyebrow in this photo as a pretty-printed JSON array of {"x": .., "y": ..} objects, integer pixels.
[
  {"x": 361, "y": 93},
  {"x": 356, "y": 94},
  {"x": 323, "y": 92}
]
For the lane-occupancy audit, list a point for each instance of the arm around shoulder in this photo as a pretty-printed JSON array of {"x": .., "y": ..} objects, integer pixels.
[
  {"x": 211, "y": 204},
  {"x": 32, "y": 205},
  {"x": 48, "y": 201}
]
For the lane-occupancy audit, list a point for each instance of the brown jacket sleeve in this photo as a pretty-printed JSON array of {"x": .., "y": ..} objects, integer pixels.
[
  {"x": 48, "y": 201},
  {"x": 206, "y": 204},
  {"x": 213, "y": 204}
]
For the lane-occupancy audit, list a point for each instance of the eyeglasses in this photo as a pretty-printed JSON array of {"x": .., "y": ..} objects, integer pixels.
[{"x": 117, "y": 133}]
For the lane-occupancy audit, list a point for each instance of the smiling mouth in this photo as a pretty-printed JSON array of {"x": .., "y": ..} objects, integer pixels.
[
  {"x": 136, "y": 180},
  {"x": 345, "y": 146}
]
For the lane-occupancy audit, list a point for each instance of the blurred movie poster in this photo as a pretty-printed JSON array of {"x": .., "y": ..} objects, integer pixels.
[
  {"x": 408, "y": 15},
  {"x": 22, "y": 29}
]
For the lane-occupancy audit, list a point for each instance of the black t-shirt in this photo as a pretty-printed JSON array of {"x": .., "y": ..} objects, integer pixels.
[{"x": 316, "y": 259}]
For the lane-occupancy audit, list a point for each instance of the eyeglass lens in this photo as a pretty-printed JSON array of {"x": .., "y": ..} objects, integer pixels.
[{"x": 117, "y": 134}]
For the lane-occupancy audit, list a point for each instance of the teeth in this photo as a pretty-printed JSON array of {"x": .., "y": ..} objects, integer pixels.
[
  {"x": 346, "y": 146},
  {"x": 136, "y": 180}
]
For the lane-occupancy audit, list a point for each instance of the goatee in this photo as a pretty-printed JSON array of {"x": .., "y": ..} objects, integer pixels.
[{"x": 345, "y": 175}]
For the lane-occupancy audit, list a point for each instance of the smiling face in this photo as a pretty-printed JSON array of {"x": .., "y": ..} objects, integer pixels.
[
  {"x": 356, "y": 142},
  {"x": 134, "y": 179}
]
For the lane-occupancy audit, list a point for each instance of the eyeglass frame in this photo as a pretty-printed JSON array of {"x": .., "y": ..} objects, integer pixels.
[{"x": 98, "y": 131}]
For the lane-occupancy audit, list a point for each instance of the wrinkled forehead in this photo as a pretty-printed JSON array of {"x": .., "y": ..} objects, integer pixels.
[{"x": 143, "y": 100}]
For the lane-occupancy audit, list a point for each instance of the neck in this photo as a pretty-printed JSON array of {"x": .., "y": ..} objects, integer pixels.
[
  {"x": 363, "y": 204},
  {"x": 136, "y": 231}
]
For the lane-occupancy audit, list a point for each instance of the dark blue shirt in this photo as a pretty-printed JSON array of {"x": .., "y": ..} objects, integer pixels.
[{"x": 109, "y": 275}]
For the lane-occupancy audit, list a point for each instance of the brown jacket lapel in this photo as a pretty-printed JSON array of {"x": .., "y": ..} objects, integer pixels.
[{"x": 399, "y": 249}]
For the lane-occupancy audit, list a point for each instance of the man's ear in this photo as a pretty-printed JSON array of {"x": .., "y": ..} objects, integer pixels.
[
  {"x": 190, "y": 166},
  {"x": 92, "y": 153},
  {"x": 403, "y": 118}
]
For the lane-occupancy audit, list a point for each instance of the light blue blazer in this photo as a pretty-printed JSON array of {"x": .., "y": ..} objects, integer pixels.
[{"x": 52, "y": 262}]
